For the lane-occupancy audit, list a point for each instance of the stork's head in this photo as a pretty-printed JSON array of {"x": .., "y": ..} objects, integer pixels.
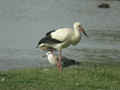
[{"x": 78, "y": 26}]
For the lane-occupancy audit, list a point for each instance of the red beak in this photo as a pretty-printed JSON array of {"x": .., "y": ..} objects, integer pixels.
[{"x": 82, "y": 30}]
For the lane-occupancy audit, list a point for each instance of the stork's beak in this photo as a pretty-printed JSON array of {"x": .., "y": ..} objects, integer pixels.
[{"x": 82, "y": 30}]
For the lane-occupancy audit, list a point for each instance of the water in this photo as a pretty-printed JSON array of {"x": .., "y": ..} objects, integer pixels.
[{"x": 24, "y": 22}]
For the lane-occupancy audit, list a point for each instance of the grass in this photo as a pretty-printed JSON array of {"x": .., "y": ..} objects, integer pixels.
[{"x": 87, "y": 76}]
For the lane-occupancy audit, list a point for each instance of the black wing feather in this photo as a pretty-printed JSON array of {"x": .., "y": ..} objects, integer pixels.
[
  {"x": 49, "y": 40},
  {"x": 48, "y": 33}
]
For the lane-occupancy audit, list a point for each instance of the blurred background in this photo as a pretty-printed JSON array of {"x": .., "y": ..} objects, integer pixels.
[{"x": 24, "y": 22}]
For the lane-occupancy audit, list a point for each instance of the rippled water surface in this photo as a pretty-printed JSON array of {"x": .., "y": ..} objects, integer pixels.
[{"x": 24, "y": 22}]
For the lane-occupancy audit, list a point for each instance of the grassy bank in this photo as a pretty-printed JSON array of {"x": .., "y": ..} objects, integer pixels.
[{"x": 87, "y": 76}]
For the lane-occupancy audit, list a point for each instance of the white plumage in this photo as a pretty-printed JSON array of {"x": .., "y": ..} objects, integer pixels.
[
  {"x": 51, "y": 58},
  {"x": 61, "y": 38}
]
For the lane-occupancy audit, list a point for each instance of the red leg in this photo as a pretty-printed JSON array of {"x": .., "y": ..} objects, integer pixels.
[
  {"x": 59, "y": 65},
  {"x": 59, "y": 61}
]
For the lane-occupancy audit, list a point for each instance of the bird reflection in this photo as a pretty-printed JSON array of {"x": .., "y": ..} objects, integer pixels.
[{"x": 53, "y": 59}]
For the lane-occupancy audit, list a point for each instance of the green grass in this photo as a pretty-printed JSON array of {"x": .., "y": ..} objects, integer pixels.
[{"x": 87, "y": 76}]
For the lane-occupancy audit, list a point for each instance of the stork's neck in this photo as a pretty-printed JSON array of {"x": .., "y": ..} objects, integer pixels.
[
  {"x": 76, "y": 37},
  {"x": 77, "y": 32}
]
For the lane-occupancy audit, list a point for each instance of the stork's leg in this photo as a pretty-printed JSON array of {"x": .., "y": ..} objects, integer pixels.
[{"x": 59, "y": 65}]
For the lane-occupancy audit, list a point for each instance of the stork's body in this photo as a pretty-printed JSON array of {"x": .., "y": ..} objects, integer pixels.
[
  {"x": 64, "y": 36},
  {"x": 61, "y": 38},
  {"x": 67, "y": 36}
]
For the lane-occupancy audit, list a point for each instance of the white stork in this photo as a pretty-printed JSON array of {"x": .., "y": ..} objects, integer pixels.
[{"x": 61, "y": 38}]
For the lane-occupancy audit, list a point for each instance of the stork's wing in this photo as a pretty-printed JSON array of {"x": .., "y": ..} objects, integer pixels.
[
  {"x": 57, "y": 36},
  {"x": 62, "y": 34},
  {"x": 48, "y": 40}
]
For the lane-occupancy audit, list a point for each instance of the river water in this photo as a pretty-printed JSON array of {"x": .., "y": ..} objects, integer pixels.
[{"x": 24, "y": 22}]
